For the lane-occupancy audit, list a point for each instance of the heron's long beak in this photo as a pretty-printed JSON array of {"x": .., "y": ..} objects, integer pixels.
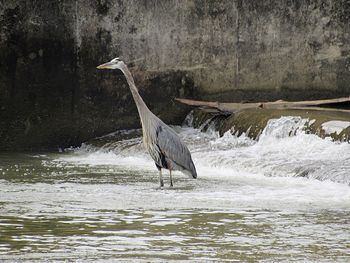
[{"x": 107, "y": 65}]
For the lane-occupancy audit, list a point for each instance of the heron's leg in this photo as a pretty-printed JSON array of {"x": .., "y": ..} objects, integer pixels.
[
  {"x": 171, "y": 179},
  {"x": 161, "y": 178},
  {"x": 160, "y": 175}
]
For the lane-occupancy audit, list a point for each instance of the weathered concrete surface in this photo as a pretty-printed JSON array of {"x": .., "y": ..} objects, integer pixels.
[
  {"x": 51, "y": 95},
  {"x": 288, "y": 49}
]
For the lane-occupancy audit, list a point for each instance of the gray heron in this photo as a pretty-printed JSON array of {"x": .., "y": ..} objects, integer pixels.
[{"x": 163, "y": 144}]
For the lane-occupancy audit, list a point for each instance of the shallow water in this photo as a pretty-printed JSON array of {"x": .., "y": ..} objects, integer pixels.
[{"x": 285, "y": 197}]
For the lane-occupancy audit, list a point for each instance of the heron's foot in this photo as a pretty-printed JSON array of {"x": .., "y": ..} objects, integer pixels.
[
  {"x": 161, "y": 183},
  {"x": 171, "y": 179}
]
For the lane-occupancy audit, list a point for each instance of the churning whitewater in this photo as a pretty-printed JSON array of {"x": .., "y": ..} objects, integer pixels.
[
  {"x": 285, "y": 167},
  {"x": 283, "y": 149}
]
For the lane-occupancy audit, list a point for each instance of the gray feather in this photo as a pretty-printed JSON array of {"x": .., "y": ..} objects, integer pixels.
[{"x": 174, "y": 150}]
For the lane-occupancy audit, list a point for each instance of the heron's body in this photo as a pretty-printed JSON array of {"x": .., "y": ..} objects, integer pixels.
[{"x": 162, "y": 142}]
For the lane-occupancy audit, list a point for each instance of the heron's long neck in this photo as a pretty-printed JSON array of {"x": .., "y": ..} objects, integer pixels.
[{"x": 140, "y": 104}]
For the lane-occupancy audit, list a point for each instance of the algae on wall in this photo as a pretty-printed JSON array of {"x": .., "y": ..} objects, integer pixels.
[{"x": 52, "y": 96}]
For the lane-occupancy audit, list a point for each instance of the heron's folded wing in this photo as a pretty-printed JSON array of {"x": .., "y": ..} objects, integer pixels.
[{"x": 173, "y": 148}]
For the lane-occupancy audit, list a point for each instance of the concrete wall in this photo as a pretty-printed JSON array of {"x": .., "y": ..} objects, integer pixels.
[{"x": 52, "y": 96}]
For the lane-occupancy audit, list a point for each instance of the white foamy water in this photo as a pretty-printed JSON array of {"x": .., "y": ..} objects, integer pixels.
[{"x": 285, "y": 168}]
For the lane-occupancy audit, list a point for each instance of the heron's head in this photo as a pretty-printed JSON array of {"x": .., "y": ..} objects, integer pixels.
[{"x": 115, "y": 63}]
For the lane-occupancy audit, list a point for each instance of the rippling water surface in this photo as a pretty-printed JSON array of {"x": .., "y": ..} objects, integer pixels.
[{"x": 285, "y": 197}]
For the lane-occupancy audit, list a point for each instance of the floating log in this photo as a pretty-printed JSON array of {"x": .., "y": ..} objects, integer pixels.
[{"x": 279, "y": 104}]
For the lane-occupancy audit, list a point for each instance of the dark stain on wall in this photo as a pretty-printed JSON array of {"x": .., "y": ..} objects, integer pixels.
[{"x": 102, "y": 6}]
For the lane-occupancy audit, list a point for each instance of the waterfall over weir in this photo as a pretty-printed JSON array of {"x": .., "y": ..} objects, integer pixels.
[{"x": 283, "y": 149}]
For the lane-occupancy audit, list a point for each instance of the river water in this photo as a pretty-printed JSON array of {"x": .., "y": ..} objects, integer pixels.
[{"x": 284, "y": 198}]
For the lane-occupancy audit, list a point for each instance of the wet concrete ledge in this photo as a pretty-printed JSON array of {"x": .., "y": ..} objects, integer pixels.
[{"x": 332, "y": 124}]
